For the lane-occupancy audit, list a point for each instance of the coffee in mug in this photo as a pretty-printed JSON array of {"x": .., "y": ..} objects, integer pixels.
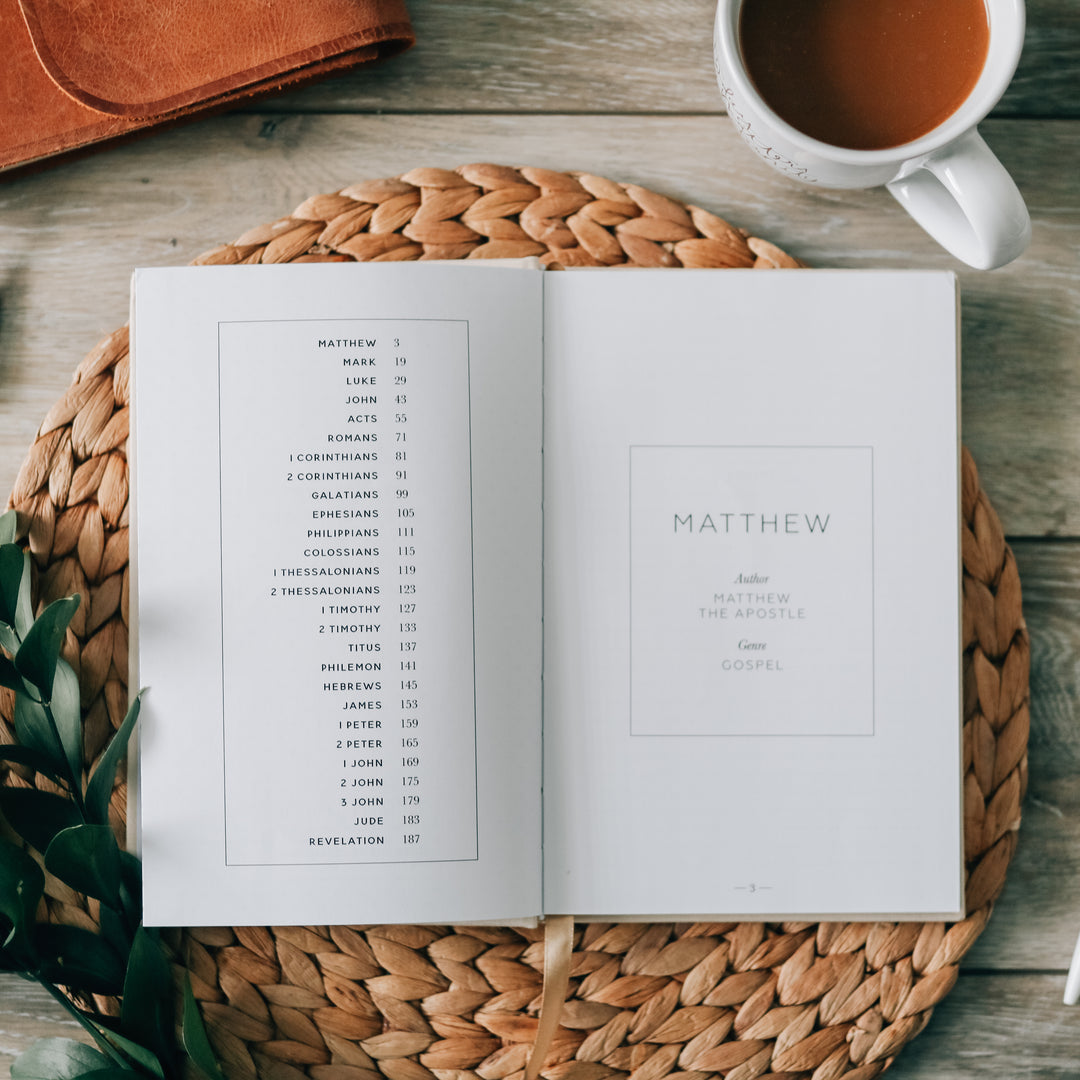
[
  {"x": 865, "y": 74},
  {"x": 861, "y": 93}
]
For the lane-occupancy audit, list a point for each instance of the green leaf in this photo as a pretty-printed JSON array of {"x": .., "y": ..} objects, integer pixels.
[
  {"x": 21, "y": 887},
  {"x": 87, "y": 858},
  {"x": 15, "y": 608},
  {"x": 32, "y": 728},
  {"x": 66, "y": 708},
  {"x": 131, "y": 874},
  {"x": 9, "y": 527},
  {"x": 132, "y": 1050},
  {"x": 40, "y": 649},
  {"x": 131, "y": 880},
  {"x": 193, "y": 1035},
  {"x": 146, "y": 1012},
  {"x": 78, "y": 959},
  {"x": 114, "y": 929},
  {"x": 37, "y": 816},
  {"x": 58, "y": 1059},
  {"x": 119, "y": 925},
  {"x": 9, "y": 673},
  {"x": 112, "y": 1073},
  {"x": 99, "y": 789},
  {"x": 35, "y": 759}
]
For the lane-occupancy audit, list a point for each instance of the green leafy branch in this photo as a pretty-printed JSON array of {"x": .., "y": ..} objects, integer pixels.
[{"x": 76, "y": 844}]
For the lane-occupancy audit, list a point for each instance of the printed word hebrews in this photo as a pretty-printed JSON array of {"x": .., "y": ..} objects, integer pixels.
[{"x": 789, "y": 524}]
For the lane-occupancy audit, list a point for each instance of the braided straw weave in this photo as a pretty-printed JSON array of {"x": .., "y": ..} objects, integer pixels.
[{"x": 682, "y": 1001}]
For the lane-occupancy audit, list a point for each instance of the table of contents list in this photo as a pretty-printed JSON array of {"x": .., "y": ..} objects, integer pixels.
[{"x": 346, "y": 555}]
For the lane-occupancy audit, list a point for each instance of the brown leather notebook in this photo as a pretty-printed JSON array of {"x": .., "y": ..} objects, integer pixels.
[{"x": 78, "y": 72}]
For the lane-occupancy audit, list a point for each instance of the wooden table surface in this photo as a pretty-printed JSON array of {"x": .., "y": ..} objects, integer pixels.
[{"x": 626, "y": 90}]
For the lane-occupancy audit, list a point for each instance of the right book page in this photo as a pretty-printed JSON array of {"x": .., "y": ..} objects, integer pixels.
[{"x": 752, "y": 688}]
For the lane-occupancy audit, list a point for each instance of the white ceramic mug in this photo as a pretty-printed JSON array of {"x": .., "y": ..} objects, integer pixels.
[{"x": 948, "y": 180}]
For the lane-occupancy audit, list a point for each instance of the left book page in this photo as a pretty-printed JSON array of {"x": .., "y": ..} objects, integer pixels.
[{"x": 337, "y": 490}]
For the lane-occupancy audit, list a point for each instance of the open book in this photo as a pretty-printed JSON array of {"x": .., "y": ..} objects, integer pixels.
[{"x": 480, "y": 594}]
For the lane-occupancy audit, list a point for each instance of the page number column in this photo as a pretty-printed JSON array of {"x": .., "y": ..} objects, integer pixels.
[{"x": 409, "y": 600}]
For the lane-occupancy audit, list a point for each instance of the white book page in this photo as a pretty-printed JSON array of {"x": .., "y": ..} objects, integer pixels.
[
  {"x": 752, "y": 676},
  {"x": 338, "y": 482}
]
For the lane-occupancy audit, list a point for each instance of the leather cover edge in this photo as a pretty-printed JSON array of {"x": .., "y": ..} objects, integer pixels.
[{"x": 385, "y": 39}]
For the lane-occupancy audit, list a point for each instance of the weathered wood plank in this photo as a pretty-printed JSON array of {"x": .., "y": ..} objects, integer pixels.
[
  {"x": 69, "y": 238},
  {"x": 29, "y": 1013},
  {"x": 996, "y": 1026},
  {"x": 1047, "y": 82},
  {"x": 643, "y": 56}
]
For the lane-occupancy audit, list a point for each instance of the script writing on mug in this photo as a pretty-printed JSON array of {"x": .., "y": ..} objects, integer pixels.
[{"x": 864, "y": 74}]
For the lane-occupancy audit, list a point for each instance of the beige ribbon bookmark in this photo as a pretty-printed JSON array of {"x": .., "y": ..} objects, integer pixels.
[{"x": 558, "y": 948}]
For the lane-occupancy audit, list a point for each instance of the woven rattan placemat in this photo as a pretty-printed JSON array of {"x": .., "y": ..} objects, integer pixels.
[{"x": 682, "y": 1001}]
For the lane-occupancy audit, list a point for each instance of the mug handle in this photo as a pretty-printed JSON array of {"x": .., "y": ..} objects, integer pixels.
[{"x": 963, "y": 197}]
